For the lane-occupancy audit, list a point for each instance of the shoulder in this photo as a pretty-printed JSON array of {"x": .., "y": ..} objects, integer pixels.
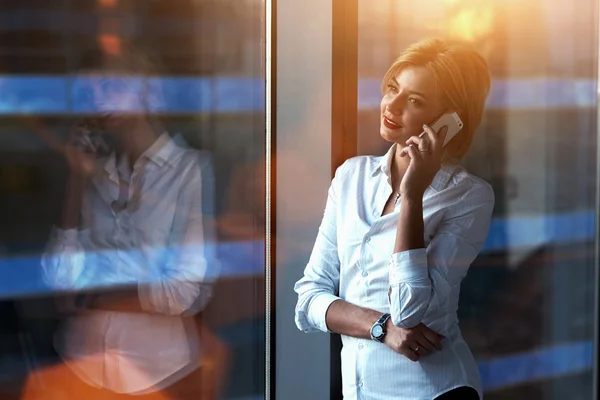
[
  {"x": 465, "y": 187},
  {"x": 358, "y": 166},
  {"x": 187, "y": 158}
]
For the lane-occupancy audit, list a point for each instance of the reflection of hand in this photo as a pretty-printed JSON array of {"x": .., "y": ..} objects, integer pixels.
[
  {"x": 425, "y": 155},
  {"x": 413, "y": 342},
  {"x": 80, "y": 151},
  {"x": 82, "y": 165}
]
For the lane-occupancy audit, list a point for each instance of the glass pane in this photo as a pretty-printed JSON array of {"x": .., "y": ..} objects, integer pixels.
[
  {"x": 526, "y": 308},
  {"x": 132, "y": 188}
]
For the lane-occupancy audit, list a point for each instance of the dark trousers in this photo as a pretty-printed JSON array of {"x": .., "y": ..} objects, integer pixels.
[{"x": 460, "y": 393}]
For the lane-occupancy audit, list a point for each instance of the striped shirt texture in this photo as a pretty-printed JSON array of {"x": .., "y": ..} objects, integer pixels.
[{"x": 353, "y": 259}]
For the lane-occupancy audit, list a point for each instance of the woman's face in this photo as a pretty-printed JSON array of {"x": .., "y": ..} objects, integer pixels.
[
  {"x": 411, "y": 99},
  {"x": 116, "y": 98}
]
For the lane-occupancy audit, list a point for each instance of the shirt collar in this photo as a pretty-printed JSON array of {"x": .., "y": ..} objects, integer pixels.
[
  {"x": 162, "y": 151},
  {"x": 384, "y": 165}
]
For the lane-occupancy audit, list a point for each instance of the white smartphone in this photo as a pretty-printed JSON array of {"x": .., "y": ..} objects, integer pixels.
[{"x": 452, "y": 120}]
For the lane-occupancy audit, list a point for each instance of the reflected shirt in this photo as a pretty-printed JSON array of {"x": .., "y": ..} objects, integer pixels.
[
  {"x": 145, "y": 228},
  {"x": 353, "y": 259}
]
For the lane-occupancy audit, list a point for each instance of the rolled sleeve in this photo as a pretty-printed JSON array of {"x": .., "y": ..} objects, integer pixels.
[
  {"x": 64, "y": 258},
  {"x": 425, "y": 283},
  {"x": 319, "y": 286},
  {"x": 410, "y": 287},
  {"x": 184, "y": 285},
  {"x": 170, "y": 298},
  {"x": 408, "y": 266},
  {"x": 318, "y": 311}
]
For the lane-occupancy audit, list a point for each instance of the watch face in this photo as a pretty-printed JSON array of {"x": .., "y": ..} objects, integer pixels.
[{"x": 377, "y": 331}]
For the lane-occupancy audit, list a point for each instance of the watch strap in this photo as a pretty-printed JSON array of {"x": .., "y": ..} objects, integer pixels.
[{"x": 383, "y": 319}]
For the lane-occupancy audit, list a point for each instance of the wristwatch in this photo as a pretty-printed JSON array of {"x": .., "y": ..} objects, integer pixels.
[{"x": 378, "y": 328}]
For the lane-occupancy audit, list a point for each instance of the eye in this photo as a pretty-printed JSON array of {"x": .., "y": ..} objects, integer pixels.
[
  {"x": 392, "y": 88},
  {"x": 414, "y": 101}
]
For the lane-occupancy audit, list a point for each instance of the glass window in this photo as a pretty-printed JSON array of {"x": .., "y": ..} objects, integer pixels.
[
  {"x": 527, "y": 304},
  {"x": 132, "y": 187}
]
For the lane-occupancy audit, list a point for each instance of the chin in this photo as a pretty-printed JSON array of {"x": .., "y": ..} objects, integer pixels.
[{"x": 392, "y": 136}]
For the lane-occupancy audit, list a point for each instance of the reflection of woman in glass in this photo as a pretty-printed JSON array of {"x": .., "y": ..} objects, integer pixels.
[
  {"x": 398, "y": 236},
  {"x": 132, "y": 241}
]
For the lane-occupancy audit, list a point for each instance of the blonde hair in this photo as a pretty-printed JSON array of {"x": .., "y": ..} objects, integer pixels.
[
  {"x": 464, "y": 78},
  {"x": 132, "y": 60}
]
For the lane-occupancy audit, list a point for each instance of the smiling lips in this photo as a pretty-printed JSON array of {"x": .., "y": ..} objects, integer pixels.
[{"x": 390, "y": 124}]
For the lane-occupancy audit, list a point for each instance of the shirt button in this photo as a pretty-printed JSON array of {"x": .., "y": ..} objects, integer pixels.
[
  {"x": 365, "y": 273},
  {"x": 360, "y": 384},
  {"x": 368, "y": 239},
  {"x": 360, "y": 346}
]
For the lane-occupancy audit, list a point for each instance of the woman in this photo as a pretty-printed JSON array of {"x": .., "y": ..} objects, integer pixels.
[
  {"x": 133, "y": 240},
  {"x": 399, "y": 233}
]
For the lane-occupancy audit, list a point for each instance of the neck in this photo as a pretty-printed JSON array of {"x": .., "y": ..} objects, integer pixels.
[
  {"x": 136, "y": 140},
  {"x": 398, "y": 168}
]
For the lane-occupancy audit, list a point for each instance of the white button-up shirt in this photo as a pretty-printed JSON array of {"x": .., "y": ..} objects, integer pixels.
[
  {"x": 144, "y": 228},
  {"x": 353, "y": 260}
]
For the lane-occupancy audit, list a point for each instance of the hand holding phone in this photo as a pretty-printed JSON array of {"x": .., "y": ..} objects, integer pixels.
[
  {"x": 85, "y": 146},
  {"x": 422, "y": 169},
  {"x": 87, "y": 135},
  {"x": 452, "y": 121}
]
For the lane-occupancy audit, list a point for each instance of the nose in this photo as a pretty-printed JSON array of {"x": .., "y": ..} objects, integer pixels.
[{"x": 395, "y": 106}]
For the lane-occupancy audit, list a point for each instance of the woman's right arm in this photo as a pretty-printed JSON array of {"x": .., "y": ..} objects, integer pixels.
[
  {"x": 319, "y": 307},
  {"x": 319, "y": 287}
]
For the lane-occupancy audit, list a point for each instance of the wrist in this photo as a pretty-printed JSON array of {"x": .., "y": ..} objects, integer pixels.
[
  {"x": 412, "y": 198},
  {"x": 378, "y": 329},
  {"x": 389, "y": 327}
]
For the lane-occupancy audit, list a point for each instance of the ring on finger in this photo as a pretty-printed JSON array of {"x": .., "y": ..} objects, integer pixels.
[
  {"x": 416, "y": 350},
  {"x": 425, "y": 150}
]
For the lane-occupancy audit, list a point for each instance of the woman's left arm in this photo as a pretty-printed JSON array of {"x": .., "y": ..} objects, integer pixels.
[
  {"x": 423, "y": 279},
  {"x": 183, "y": 285}
]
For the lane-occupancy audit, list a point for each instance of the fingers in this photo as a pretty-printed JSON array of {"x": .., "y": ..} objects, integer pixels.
[
  {"x": 412, "y": 152},
  {"x": 428, "y": 341},
  {"x": 422, "y": 143},
  {"x": 424, "y": 346},
  {"x": 421, "y": 350},
  {"x": 434, "y": 340},
  {"x": 415, "y": 342},
  {"x": 402, "y": 342},
  {"x": 410, "y": 354},
  {"x": 431, "y": 336},
  {"x": 79, "y": 162},
  {"x": 430, "y": 139},
  {"x": 434, "y": 136}
]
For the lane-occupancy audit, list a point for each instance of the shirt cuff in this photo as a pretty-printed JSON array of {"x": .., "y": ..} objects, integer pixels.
[
  {"x": 318, "y": 310},
  {"x": 408, "y": 266}
]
